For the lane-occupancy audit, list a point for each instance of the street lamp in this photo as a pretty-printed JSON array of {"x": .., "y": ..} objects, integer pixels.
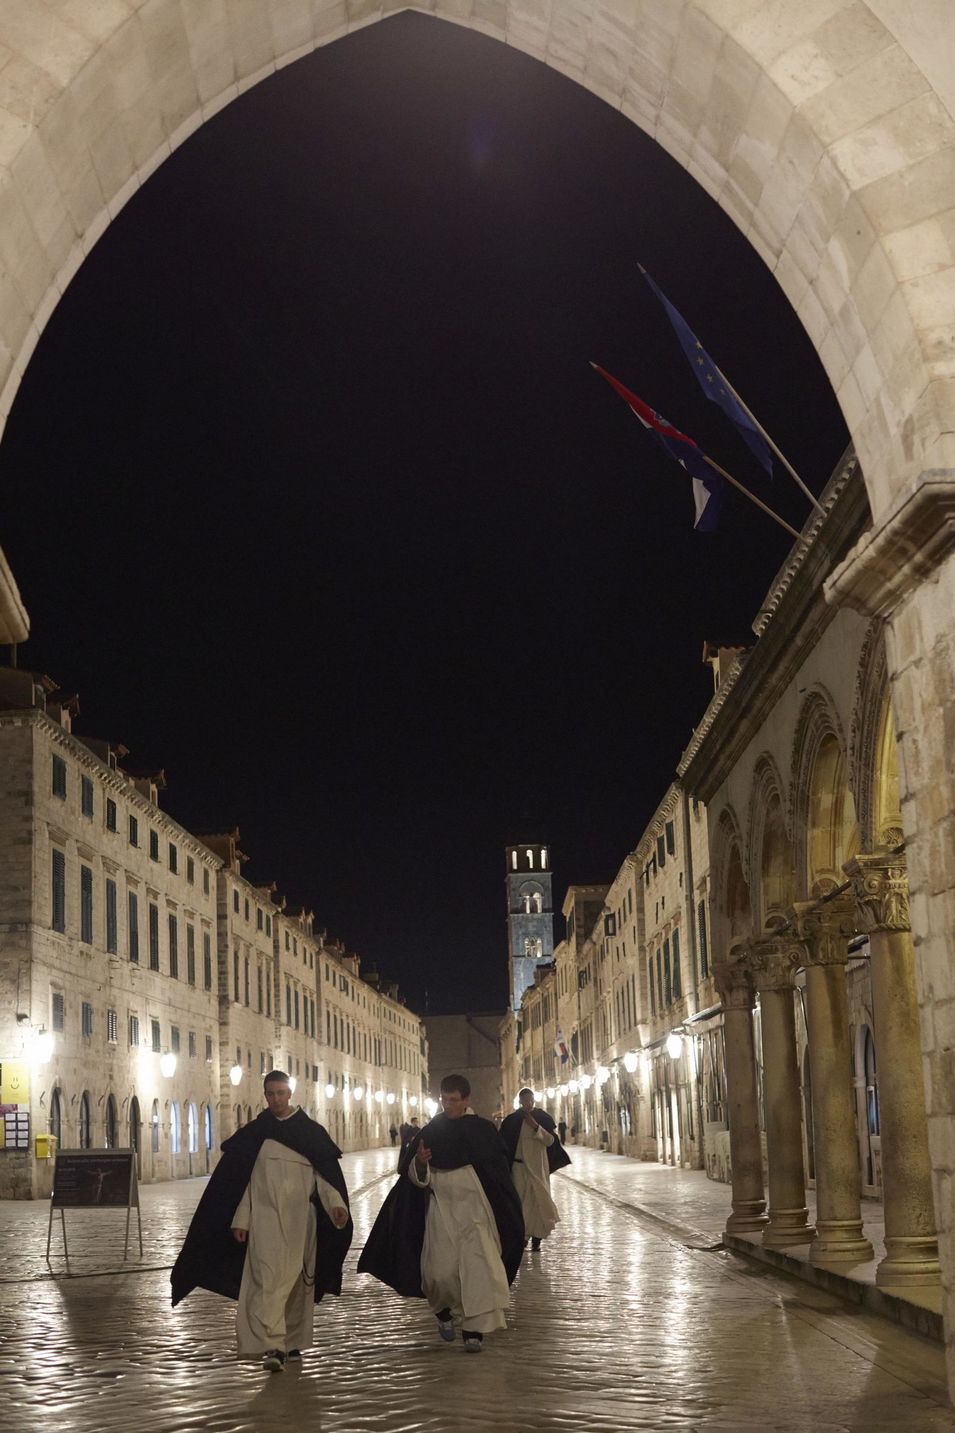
[
  {"x": 329, "y": 1092},
  {"x": 292, "y": 1082},
  {"x": 549, "y": 1092},
  {"x": 167, "y": 1065},
  {"x": 573, "y": 1086},
  {"x": 358, "y": 1092},
  {"x": 40, "y": 1046},
  {"x": 674, "y": 1045},
  {"x": 603, "y": 1074},
  {"x": 413, "y": 1102},
  {"x": 390, "y": 1098},
  {"x": 585, "y": 1082},
  {"x": 630, "y": 1061},
  {"x": 235, "y": 1074}
]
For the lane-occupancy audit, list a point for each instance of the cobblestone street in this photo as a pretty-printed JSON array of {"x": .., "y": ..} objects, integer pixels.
[{"x": 619, "y": 1324}]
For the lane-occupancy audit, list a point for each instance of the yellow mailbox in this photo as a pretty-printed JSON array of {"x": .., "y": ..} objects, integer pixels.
[{"x": 45, "y": 1146}]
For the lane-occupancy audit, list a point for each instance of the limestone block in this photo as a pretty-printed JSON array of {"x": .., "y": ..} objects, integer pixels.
[
  {"x": 730, "y": 102},
  {"x": 923, "y": 190},
  {"x": 607, "y": 66},
  {"x": 894, "y": 334},
  {"x": 291, "y": 22},
  {"x": 490, "y": 17},
  {"x": 791, "y": 278},
  {"x": 528, "y": 23},
  {"x": 923, "y": 248},
  {"x": 26, "y": 91},
  {"x": 834, "y": 359},
  {"x": 209, "y": 39},
  {"x": 760, "y": 136},
  {"x": 330, "y": 19},
  {"x": 39, "y": 193},
  {"x": 895, "y": 141},
  {"x": 362, "y": 12},
  {"x": 695, "y": 59},
  {"x": 802, "y": 72},
  {"x": 851, "y": 402},
  {"x": 684, "y": 110},
  {"x": 112, "y": 159},
  {"x": 852, "y": 37},
  {"x": 166, "y": 46},
  {"x": 14, "y": 133},
  {"x": 45, "y": 39},
  {"x": 567, "y": 40},
  {"x": 776, "y": 26},
  {"x": 658, "y": 24},
  {"x": 786, "y": 189},
  {"x": 251, "y": 34},
  {"x": 871, "y": 90}
]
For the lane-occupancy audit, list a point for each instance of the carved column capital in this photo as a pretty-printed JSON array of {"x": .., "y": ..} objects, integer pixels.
[
  {"x": 735, "y": 984},
  {"x": 773, "y": 960},
  {"x": 880, "y": 886},
  {"x": 825, "y": 928}
]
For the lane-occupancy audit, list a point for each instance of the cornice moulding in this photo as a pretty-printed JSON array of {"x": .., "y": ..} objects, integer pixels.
[{"x": 904, "y": 551}]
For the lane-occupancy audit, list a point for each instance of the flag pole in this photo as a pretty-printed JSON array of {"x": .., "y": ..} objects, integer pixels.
[
  {"x": 781, "y": 456},
  {"x": 752, "y": 496}
]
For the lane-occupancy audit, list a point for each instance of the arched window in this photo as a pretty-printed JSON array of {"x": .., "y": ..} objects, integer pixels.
[
  {"x": 175, "y": 1132},
  {"x": 530, "y": 860},
  {"x": 871, "y": 1083},
  {"x": 56, "y": 1116},
  {"x": 111, "y": 1123},
  {"x": 85, "y": 1121},
  {"x": 134, "y": 1120},
  {"x": 538, "y": 904},
  {"x": 192, "y": 1128},
  {"x": 208, "y": 1126},
  {"x": 154, "y": 1128},
  {"x": 807, "y": 1111},
  {"x": 238, "y": 1117}
]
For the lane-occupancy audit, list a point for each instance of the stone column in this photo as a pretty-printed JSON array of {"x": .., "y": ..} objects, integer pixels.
[
  {"x": 746, "y": 1155},
  {"x": 773, "y": 960},
  {"x": 880, "y": 887},
  {"x": 824, "y": 931}
]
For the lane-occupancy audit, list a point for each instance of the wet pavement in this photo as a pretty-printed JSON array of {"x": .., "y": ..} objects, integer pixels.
[{"x": 621, "y": 1323}]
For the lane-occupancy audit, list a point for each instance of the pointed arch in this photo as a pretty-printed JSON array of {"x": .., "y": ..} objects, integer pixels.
[
  {"x": 770, "y": 846},
  {"x": 873, "y": 749},
  {"x": 823, "y": 817}
]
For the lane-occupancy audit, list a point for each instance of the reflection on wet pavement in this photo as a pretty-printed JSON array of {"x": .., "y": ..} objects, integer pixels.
[{"x": 614, "y": 1326}]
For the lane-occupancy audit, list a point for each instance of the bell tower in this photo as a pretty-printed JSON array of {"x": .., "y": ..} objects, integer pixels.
[{"x": 530, "y": 915}]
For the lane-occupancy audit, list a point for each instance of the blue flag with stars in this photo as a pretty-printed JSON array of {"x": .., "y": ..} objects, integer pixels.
[{"x": 712, "y": 381}]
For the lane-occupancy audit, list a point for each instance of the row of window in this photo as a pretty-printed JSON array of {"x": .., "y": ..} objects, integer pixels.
[
  {"x": 87, "y": 809},
  {"x": 185, "y": 969},
  {"x": 58, "y": 1017},
  {"x": 111, "y": 1132},
  {"x": 668, "y": 987}
]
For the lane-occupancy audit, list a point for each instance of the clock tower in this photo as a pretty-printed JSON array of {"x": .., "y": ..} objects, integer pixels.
[{"x": 530, "y": 915}]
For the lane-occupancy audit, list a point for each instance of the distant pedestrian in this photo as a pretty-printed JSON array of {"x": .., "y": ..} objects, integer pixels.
[
  {"x": 272, "y": 1228},
  {"x": 451, "y": 1229},
  {"x": 393, "y": 1135},
  {"x": 562, "y": 1131},
  {"x": 536, "y": 1152}
]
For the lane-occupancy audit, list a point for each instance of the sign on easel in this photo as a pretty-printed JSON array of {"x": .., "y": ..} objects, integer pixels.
[{"x": 94, "y": 1179}]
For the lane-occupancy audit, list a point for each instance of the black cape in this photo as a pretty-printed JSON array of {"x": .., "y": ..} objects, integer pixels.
[
  {"x": 211, "y": 1258},
  {"x": 392, "y": 1251},
  {"x": 557, "y": 1156}
]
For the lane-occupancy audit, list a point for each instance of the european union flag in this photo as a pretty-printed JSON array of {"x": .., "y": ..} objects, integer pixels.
[{"x": 712, "y": 381}]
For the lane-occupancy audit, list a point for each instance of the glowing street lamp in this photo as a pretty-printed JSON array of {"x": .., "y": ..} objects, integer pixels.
[
  {"x": 630, "y": 1061},
  {"x": 549, "y": 1092},
  {"x": 390, "y": 1098},
  {"x": 292, "y": 1082},
  {"x": 413, "y": 1102},
  {"x": 603, "y": 1074},
  {"x": 40, "y": 1047},
  {"x": 235, "y": 1074},
  {"x": 379, "y": 1096},
  {"x": 358, "y": 1092},
  {"x": 585, "y": 1082},
  {"x": 167, "y": 1065},
  {"x": 573, "y": 1086},
  {"x": 674, "y": 1045},
  {"x": 329, "y": 1092}
]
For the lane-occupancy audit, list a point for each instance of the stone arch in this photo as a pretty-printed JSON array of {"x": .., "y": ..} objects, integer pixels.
[
  {"x": 731, "y": 906},
  {"x": 823, "y": 822},
  {"x": 823, "y": 135},
  {"x": 771, "y": 854},
  {"x": 873, "y": 750}
]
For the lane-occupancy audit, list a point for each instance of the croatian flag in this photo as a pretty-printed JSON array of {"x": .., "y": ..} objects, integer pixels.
[
  {"x": 711, "y": 380},
  {"x": 707, "y": 484},
  {"x": 560, "y": 1047}
]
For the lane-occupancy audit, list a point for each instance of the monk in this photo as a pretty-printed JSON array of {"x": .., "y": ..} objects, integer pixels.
[
  {"x": 272, "y": 1228},
  {"x": 535, "y": 1152}
]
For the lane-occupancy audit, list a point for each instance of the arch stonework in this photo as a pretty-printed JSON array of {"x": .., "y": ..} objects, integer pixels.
[
  {"x": 817, "y": 728},
  {"x": 825, "y": 130},
  {"x": 770, "y": 843}
]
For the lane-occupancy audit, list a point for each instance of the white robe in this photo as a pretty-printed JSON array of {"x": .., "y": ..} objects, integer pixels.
[
  {"x": 532, "y": 1181},
  {"x": 461, "y": 1266},
  {"x": 277, "y": 1294}
]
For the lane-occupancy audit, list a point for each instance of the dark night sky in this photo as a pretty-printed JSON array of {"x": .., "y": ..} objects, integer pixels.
[{"x": 312, "y": 496}]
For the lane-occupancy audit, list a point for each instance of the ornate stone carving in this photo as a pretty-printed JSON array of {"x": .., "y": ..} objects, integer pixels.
[
  {"x": 825, "y": 929},
  {"x": 773, "y": 960},
  {"x": 880, "y": 885},
  {"x": 735, "y": 984}
]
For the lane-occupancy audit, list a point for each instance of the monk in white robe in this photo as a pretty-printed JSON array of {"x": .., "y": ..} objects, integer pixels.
[
  {"x": 277, "y": 1294},
  {"x": 277, "y": 1218},
  {"x": 451, "y": 1230},
  {"x": 536, "y": 1151}
]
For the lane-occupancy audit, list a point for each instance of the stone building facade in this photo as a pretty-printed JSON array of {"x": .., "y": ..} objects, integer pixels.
[
  {"x": 530, "y": 915},
  {"x": 146, "y": 985},
  {"x": 109, "y": 994},
  {"x": 471, "y": 1045}
]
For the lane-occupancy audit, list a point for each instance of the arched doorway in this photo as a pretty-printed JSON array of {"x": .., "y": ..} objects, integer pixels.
[
  {"x": 56, "y": 1116},
  {"x": 175, "y": 1135},
  {"x": 135, "y": 1135},
  {"x": 869, "y": 1124},
  {"x": 85, "y": 1127},
  {"x": 154, "y": 1139},
  {"x": 192, "y": 1135},
  {"x": 110, "y": 1123},
  {"x": 208, "y": 1137}
]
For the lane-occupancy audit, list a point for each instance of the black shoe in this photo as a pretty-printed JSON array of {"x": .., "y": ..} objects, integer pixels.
[
  {"x": 473, "y": 1342},
  {"x": 294, "y": 1355},
  {"x": 535, "y": 1246},
  {"x": 273, "y": 1361}
]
